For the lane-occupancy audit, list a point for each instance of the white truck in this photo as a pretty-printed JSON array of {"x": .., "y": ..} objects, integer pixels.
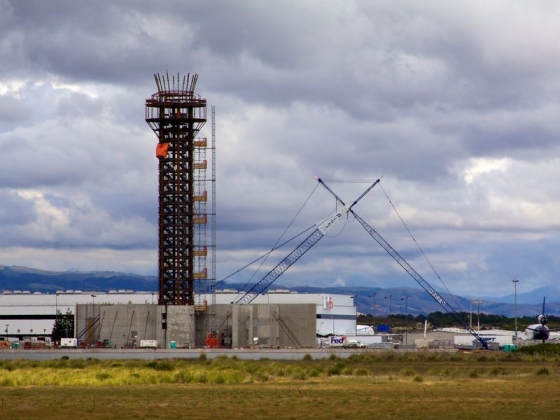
[
  {"x": 69, "y": 342},
  {"x": 343, "y": 341}
]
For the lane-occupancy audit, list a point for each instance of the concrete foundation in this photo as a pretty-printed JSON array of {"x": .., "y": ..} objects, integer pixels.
[
  {"x": 240, "y": 326},
  {"x": 261, "y": 325},
  {"x": 126, "y": 326}
]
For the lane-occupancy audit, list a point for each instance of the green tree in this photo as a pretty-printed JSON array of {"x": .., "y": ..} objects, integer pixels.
[{"x": 63, "y": 326}]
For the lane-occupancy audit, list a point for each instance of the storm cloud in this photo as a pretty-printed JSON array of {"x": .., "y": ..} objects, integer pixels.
[{"x": 454, "y": 105}]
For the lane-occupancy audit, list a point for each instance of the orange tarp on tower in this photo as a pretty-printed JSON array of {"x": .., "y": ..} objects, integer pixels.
[{"x": 161, "y": 150}]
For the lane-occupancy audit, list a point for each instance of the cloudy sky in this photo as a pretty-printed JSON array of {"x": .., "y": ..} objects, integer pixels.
[{"x": 454, "y": 104}]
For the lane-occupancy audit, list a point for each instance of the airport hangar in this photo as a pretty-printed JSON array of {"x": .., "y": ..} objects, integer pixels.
[{"x": 125, "y": 319}]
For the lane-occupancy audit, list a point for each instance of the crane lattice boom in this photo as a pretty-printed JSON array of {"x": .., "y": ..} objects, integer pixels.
[
  {"x": 322, "y": 228},
  {"x": 419, "y": 279},
  {"x": 408, "y": 268},
  {"x": 277, "y": 271}
]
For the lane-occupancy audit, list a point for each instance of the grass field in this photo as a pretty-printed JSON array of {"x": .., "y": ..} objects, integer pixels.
[{"x": 493, "y": 385}]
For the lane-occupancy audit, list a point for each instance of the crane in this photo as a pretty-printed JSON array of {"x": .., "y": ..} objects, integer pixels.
[
  {"x": 322, "y": 228},
  {"x": 408, "y": 268}
]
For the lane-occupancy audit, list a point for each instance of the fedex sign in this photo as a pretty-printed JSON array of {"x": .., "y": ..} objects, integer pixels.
[{"x": 337, "y": 341}]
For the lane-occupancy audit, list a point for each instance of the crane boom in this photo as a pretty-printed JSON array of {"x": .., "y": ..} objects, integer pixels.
[
  {"x": 419, "y": 279},
  {"x": 277, "y": 271},
  {"x": 322, "y": 228},
  {"x": 411, "y": 271}
]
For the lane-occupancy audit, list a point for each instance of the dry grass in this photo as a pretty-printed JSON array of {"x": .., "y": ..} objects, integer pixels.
[{"x": 372, "y": 385}]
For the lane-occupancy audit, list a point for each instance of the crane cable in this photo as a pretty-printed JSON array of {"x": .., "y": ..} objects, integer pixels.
[
  {"x": 276, "y": 246},
  {"x": 421, "y": 250},
  {"x": 264, "y": 255}
]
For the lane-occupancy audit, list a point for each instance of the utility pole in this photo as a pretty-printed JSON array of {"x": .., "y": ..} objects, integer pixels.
[
  {"x": 406, "y": 320},
  {"x": 389, "y": 297},
  {"x": 515, "y": 281},
  {"x": 374, "y": 327},
  {"x": 478, "y": 302},
  {"x": 470, "y": 317}
]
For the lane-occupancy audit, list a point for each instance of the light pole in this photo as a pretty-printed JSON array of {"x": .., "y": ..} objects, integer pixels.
[
  {"x": 389, "y": 297},
  {"x": 355, "y": 300},
  {"x": 470, "y": 317},
  {"x": 93, "y": 307},
  {"x": 406, "y": 320},
  {"x": 478, "y": 302},
  {"x": 515, "y": 281},
  {"x": 375, "y": 294}
]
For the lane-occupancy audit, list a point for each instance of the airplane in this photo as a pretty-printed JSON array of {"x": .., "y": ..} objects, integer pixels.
[{"x": 539, "y": 331}]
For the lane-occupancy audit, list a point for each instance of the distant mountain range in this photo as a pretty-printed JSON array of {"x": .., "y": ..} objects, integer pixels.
[
  {"x": 23, "y": 278},
  {"x": 402, "y": 299}
]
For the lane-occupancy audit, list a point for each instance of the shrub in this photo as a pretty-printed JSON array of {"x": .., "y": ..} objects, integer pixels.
[
  {"x": 361, "y": 372},
  {"x": 542, "y": 371},
  {"x": 389, "y": 356},
  {"x": 348, "y": 371},
  {"x": 9, "y": 366},
  {"x": 315, "y": 372},
  {"x": 182, "y": 377},
  {"x": 163, "y": 366},
  {"x": 77, "y": 364},
  {"x": 509, "y": 357},
  {"x": 301, "y": 375},
  {"x": 6, "y": 382},
  {"x": 220, "y": 379},
  {"x": 407, "y": 372},
  {"x": 497, "y": 370},
  {"x": 334, "y": 370}
]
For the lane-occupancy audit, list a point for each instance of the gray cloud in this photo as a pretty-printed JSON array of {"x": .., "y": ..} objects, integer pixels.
[{"x": 455, "y": 106}]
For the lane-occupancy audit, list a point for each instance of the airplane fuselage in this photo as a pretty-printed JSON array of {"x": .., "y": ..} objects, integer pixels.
[{"x": 537, "y": 332}]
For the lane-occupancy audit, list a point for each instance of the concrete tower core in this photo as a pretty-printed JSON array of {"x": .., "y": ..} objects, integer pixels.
[{"x": 176, "y": 114}]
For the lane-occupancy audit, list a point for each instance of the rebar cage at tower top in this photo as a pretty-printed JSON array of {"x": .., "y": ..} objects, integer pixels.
[{"x": 173, "y": 95}]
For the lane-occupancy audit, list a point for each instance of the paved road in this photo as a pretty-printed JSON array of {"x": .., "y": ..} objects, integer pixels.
[{"x": 143, "y": 354}]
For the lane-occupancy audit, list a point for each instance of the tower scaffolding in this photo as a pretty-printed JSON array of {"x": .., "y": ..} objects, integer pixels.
[
  {"x": 176, "y": 114},
  {"x": 213, "y": 227}
]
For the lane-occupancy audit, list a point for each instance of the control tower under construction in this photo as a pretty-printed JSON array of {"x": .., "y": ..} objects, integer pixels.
[{"x": 176, "y": 114}]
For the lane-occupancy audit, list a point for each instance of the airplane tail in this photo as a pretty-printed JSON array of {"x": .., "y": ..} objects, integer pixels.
[{"x": 543, "y": 319}]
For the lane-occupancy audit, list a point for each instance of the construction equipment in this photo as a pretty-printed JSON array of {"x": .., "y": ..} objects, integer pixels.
[
  {"x": 408, "y": 268},
  {"x": 322, "y": 228}
]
